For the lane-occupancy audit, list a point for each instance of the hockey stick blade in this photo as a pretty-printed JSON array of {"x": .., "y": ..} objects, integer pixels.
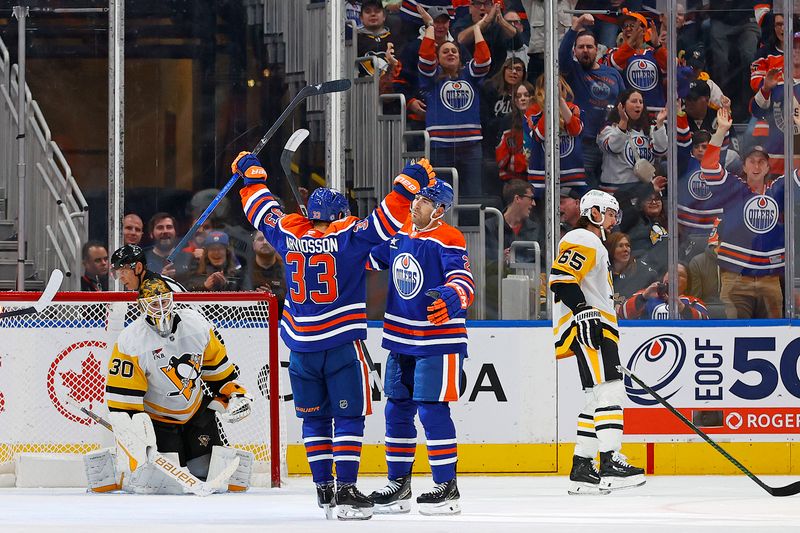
[
  {"x": 788, "y": 490},
  {"x": 291, "y": 147},
  {"x": 307, "y": 91},
  {"x": 49, "y": 292}
]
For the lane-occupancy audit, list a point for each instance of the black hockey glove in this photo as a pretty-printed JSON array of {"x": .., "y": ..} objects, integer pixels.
[{"x": 589, "y": 329}]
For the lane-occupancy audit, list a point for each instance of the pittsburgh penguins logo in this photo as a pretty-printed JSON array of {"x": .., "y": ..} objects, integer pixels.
[
  {"x": 204, "y": 440},
  {"x": 183, "y": 371}
]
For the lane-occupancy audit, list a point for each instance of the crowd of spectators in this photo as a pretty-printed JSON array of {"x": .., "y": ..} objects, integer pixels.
[{"x": 471, "y": 73}]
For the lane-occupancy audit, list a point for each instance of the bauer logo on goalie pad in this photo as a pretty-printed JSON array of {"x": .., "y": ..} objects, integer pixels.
[
  {"x": 182, "y": 372},
  {"x": 175, "y": 472},
  {"x": 407, "y": 276}
]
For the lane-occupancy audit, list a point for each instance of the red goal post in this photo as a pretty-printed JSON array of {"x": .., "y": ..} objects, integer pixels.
[{"x": 64, "y": 350}]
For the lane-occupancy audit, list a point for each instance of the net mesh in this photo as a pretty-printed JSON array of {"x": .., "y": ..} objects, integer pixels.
[{"x": 63, "y": 353}]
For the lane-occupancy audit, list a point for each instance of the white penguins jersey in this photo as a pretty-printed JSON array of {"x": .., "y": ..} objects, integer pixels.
[
  {"x": 583, "y": 259},
  {"x": 161, "y": 375}
]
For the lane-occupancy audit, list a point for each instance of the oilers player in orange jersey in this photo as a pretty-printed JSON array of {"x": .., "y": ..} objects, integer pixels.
[
  {"x": 324, "y": 317},
  {"x": 424, "y": 329}
]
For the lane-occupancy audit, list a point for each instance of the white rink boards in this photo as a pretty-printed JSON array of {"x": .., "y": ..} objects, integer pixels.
[{"x": 497, "y": 504}]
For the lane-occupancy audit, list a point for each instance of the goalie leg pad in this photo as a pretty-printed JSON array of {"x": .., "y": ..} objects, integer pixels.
[
  {"x": 222, "y": 456},
  {"x": 148, "y": 479},
  {"x": 134, "y": 434},
  {"x": 101, "y": 472}
]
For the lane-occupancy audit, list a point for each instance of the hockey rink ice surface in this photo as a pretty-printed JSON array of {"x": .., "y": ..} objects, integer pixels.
[{"x": 489, "y": 504}]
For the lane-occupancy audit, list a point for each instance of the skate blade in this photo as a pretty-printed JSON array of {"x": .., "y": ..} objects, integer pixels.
[
  {"x": 445, "y": 508},
  {"x": 579, "y": 488},
  {"x": 349, "y": 512},
  {"x": 328, "y": 511},
  {"x": 398, "y": 507},
  {"x": 619, "y": 483}
]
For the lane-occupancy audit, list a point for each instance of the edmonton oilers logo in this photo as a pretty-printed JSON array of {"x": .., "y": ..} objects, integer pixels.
[
  {"x": 658, "y": 361},
  {"x": 599, "y": 90},
  {"x": 761, "y": 214},
  {"x": 642, "y": 145},
  {"x": 698, "y": 188},
  {"x": 456, "y": 95},
  {"x": 642, "y": 74},
  {"x": 566, "y": 144},
  {"x": 407, "y": 276}
]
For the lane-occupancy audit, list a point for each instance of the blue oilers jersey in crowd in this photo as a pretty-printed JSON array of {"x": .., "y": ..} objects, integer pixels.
[
  {"x": 325, "y": 275},
  {"x": 769, "y": 107},
  {"x": 420, "y": 261},
  {"x": 594, "y": 89},
  {"x": 695, "y": 215},
  {"x": 641, "y": 72},
  {"x": 752, "y": 230}
]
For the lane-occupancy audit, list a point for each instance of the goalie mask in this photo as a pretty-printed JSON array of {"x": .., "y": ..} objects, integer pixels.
[{"x": 155, "y": 301}]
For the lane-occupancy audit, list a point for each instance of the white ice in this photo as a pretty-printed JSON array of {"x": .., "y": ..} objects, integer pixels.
[{"x": 489, "y": 504}]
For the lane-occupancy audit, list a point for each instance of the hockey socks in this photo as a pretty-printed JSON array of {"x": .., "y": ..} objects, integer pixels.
[
  {"x": 440, "y": 433},
  {"x": 348, "y": 435},
  {"x": 401, "y": 436},
  {"x": 318, "y": 440}
]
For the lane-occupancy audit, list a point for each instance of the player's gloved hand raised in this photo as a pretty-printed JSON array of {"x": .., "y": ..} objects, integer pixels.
[
  {"x": 249, "y": 167},
  {"x": 233, "y": 409},
  {"x": 587, "y": 322},
  {"x": 448, "y": 300},
  {"x": 414, "y": 177}
]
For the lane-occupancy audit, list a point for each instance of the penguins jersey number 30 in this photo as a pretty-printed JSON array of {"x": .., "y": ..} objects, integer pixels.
[{"x": 161, "y": 376}]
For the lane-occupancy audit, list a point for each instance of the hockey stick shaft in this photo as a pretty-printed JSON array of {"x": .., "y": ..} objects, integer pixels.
[
  {"x": 291, "y": 147},
  {"x": 788, "y": 490},
  {"x": 334, "y": 86},
  {"x": 49, "y": 292}
]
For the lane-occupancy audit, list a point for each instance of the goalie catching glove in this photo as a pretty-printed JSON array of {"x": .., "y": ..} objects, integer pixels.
[
  {"x": 587, "y": 324},
  {"x": 448, "y": 301},
  {"x": 233, "y": 404},
  {"x": 249, "y": 167},
  {"x": 413, "y": 178}
]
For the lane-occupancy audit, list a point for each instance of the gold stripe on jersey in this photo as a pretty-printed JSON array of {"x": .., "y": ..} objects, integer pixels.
[
  {"x": 126, "y": 383},
  {"x": 593, "y": 358},
  {"x": 216, "y": 366},
  {"x": 162, "y": 414},
  {"x": 572, "y": 263}
]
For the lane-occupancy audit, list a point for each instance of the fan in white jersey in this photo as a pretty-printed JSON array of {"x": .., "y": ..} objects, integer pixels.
[
  {"x": 585, "y": 325},
  {"x": 157, "y": 373}
]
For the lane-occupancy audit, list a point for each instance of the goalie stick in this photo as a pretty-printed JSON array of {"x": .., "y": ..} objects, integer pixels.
[
  {"x": 289, "y": 149},
  {"x": 189, "y": 482},
  {"x": 788, "y": 490},
  {"x": 49, "y": 292},
  {"x": 334, "y": 86}
]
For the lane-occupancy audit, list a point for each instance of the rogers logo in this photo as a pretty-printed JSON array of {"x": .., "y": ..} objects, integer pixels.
[
  {"x": 734, "y": 420},
  {"x": 658, "y": 361}
]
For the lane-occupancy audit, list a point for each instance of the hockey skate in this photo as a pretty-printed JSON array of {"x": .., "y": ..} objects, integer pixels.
[
  {"x": 616, "y": 473},
  {"x": 394, "y": 498},
  {"x": 442, "y": 500},
  {"x": 584, "y": 477},
  {"x": 326, "y": 498},
  {"x": 351, "y": 504}
]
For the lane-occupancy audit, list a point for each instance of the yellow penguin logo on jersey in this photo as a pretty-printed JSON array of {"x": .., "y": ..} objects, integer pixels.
[{"x": 183, "y": 371}]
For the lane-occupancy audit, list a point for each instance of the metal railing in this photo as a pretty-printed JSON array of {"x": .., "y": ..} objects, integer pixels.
[{"x": 56, "y": 214}]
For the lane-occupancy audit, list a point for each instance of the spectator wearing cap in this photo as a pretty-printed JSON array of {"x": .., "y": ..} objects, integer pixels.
[
  {"x": 643, "y": 68},
  {"x": 595, "y": 86},
  {"x": 569, "y": 209},
  {"x": 413, "y": 22},
  {"x": 220, "y": 220},
  {"x": 406, "y": 82},
  {"x": 95, "y": 267},
  {"x": 536, "y": 11},
  {"x": 571, "y": 172},
  {"x": 217, "y": 269},
  {"x": 734, "y": 26},
  {"x": 452, "y": 116},
  {"x": 704, "y": 275},
  {"x": 518, "y": 226},
  {"x": 692, "y": 68},
  {"x": 752, "y": 252},
  {"x": 769, "y": 104},
  {"x": 510, "y": 153},
  {"x": 132, "y": 229},
  {"x": 628, "y": 274},
  {"x": 375, "y": 42},
  {"x": 487, "y": 15},
  {"x": 267, "y": 272}
]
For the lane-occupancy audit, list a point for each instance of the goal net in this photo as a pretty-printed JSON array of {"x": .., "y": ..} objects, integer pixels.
[{"x": 63, "y": 353}]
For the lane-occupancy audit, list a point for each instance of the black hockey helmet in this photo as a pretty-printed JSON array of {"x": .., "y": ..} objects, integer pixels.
[{"x": 128, "y": 256}]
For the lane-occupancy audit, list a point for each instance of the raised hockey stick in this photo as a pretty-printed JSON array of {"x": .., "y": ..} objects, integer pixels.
[
  {"x": 189, "y": 482},
  {"x": 49, "y": 292},
  {"x": 334, "y": 86},
  {"x": 788, "y": 490},
  {"x": 373, "y": 373},
  {"x": 289, "y": 149}
]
